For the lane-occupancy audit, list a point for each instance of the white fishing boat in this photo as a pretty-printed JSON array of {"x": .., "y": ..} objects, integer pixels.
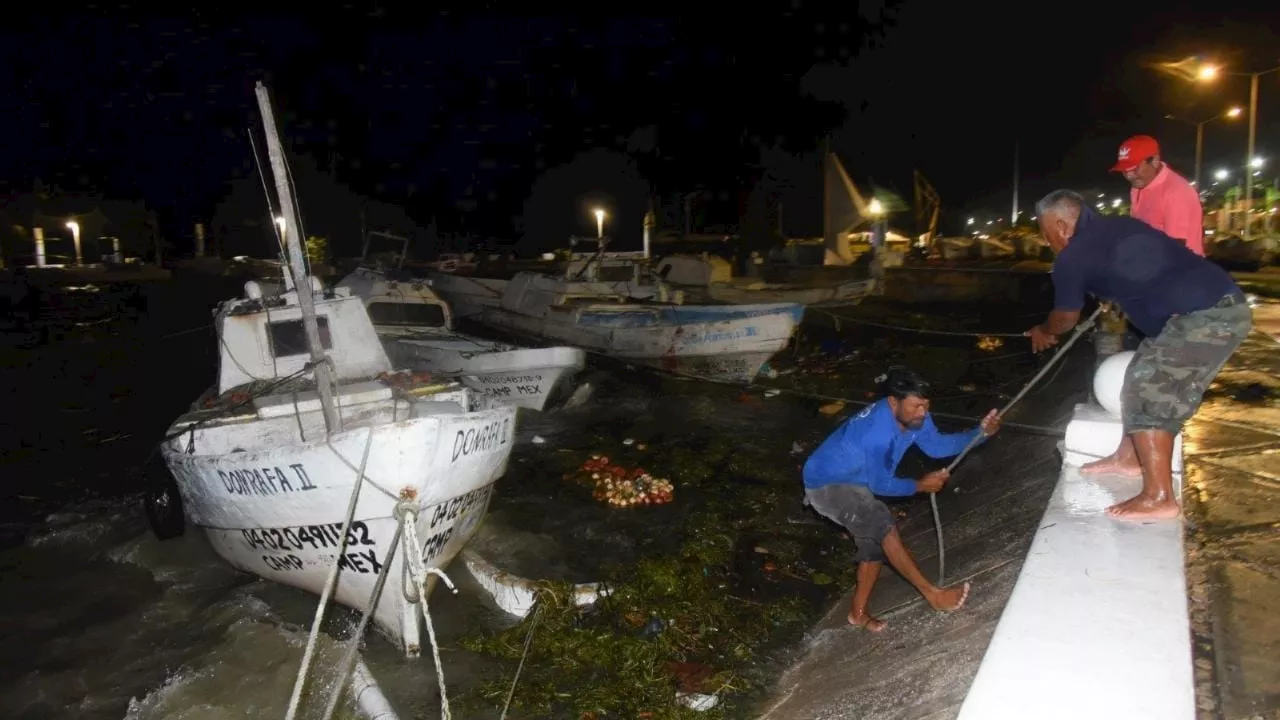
[
  {"x": 727, "y": 343},
  {"x": 416, "y": 328},
  {"x": 305, "y": 411},
  {"x": 467, "y": 295}
]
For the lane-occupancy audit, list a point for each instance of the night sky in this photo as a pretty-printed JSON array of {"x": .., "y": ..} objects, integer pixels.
[{"x": 464, "y": 117}]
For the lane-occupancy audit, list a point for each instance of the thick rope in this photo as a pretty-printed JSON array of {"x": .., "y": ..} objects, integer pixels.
[
  {"x": 353, "y": 645},
  {"x": 419, "y": 572},
  {"x": 933, "y": 497},
  {"x": 330, "y": 583}
]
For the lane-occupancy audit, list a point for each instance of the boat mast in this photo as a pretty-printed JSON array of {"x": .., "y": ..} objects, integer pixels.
[
  {"x": 1013, "y": 218},
  {"x": 297, "y": 265}
]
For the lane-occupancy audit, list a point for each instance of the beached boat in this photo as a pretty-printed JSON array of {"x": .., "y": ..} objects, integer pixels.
[
  {"x": 307, "y": 432},
  {"x": 257, "y": 471},
  {"x": 727, "y": 343},
  {"x": 416, "y": 328}
]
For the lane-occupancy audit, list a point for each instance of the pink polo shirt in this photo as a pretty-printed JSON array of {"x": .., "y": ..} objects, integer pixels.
[{"x": 1171, "y": 205}]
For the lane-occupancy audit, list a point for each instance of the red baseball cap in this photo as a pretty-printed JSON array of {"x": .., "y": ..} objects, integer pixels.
[{"x": 1134, "y": 152}]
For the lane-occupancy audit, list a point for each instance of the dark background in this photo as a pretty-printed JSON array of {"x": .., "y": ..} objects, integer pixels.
[{"x": 484, "y": 119}]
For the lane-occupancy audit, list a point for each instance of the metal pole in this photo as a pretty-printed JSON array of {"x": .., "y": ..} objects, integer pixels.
[
  {"x": 1199, "y": 151},
  {"x": 1013, "y": 216},
  {"x": 297, "y": 265},
  {"x": 1248, "y": 162}
]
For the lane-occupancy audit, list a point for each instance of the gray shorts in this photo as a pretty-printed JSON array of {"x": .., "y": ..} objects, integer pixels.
[{"x": 857, "y": 510}]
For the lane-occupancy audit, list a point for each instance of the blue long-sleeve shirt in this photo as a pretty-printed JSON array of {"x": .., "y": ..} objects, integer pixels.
[{"x": 867, "y": 448}]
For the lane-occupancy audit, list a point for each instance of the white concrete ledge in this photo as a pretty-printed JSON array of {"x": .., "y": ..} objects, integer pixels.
[
  {"x": 1094, "y": 433},
  {"x": 517, "y": 595},
  {"x": 1097, "y": 624}
]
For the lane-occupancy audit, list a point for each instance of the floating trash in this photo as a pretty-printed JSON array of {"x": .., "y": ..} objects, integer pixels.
[{"x": 619, "y": 486}]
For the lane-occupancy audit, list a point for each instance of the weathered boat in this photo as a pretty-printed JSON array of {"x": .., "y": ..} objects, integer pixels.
[
  {"x": 416, "y": 329},
  {"x": 260, "y": 471},
  {"x": 1234, "y": 251},
  {"x": 726, "y": 343}
]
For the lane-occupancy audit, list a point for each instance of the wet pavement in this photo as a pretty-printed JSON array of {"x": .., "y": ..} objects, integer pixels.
[
  {"x": 1232, "y": 496},
  {"x": 922, "y": 666}
]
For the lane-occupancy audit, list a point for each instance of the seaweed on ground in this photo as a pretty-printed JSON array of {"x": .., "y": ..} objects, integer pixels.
[{"x": 702, "y": 619}]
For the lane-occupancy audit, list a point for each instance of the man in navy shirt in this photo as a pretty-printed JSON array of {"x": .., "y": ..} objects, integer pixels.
[
  {"x": 858, "y": 461},
  {"x": 1193, "y": 315}
]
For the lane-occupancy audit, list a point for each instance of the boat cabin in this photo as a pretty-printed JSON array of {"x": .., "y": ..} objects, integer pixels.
[
  {"x": 262, "y": 338},
  {"x": 398, "y": 304}
]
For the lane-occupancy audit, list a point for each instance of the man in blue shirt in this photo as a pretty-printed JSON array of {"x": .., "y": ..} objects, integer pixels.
[
  {"x": 858, "y": 461},
  {"x": 1193, "y": 315}
]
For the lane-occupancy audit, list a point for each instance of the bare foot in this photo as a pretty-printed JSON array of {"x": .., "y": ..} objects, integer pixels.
[
  {"x": 1141, "y": 507},
  {"x": 866, "y": 622},
  {"x": 1111, "y": 466},
  {"x": 949, "y": 599}
]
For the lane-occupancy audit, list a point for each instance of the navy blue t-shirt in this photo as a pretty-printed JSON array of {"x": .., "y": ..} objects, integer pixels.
[{"x": 1152, "y": 276}]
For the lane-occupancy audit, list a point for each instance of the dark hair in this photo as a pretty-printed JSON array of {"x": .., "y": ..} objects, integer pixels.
[{"x": 899, "y": 382}]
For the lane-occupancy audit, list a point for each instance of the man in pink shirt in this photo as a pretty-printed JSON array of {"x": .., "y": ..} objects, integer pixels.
[{"x": 1159, "y": 196}]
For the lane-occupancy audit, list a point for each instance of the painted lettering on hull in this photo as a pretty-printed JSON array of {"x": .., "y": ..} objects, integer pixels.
[
  {"x": 449, "y": 510},
  {"x": 266, "y": 481},
  {"x": 481, "y": 440},
  {"x": 305, "y": 537},
  {"x": 363, "y": 561}
]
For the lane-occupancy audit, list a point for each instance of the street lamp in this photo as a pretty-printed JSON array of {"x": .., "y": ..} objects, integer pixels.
[
  {"x": 75, "y": 235},
  {"x": 1208, "y": 73},
  {"x": 599, "y": 223},
  {"x": 1228, "y": 114},
  {"x": 875, "y": 208},
  {"x": 1221, "y": 175}
]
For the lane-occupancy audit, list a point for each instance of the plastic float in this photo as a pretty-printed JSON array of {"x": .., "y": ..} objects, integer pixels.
[{"x": 1096, "y": 626}]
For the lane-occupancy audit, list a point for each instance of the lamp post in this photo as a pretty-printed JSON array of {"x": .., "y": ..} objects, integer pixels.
[
  {"x": 75, "y": 236},
  {"x": 1228, "y": 114},
  {"x": 599, "y": 223},
  {"x": 1208, "y": 73}
]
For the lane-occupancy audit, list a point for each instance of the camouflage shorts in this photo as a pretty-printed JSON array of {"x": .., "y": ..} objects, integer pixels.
[{"x": 1170, "y": 372}]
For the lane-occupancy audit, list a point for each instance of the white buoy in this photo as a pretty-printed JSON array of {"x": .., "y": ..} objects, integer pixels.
[{"x": 1109, "y": 380}]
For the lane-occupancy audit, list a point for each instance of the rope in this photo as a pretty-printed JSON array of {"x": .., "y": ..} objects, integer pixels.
[
  {"x": 329, "y": 586},
  {"x": 353, "y": 645},
  {"x": 923, "y": 331},
  {"x": 933, "y": 497},
  {"x": 528, "y": 641},
  {"x": 419, "y": 572}
]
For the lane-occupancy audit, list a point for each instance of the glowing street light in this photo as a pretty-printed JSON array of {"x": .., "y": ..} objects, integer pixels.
[
  {"x": 875, "y": 208},
  {"x": 1207, "y": 73},
  {"x": 1228, "y": 114},
  {"x": 75, "y": 235},
  {"x": 599, "y": 222},
  {"x": 971, "y": 221},
  {"x": 1221, "y": 175},
  {"x": 1257, "y": 162},
  {"x": 1115, "y": 203}
]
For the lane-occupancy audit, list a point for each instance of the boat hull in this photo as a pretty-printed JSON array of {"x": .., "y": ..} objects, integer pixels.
[
  {"x": 276, "y": 509},
  {"x": 519, "y": 377},
  {"x": 727, "y": 343},
  {"x": 468, "y": 296}
]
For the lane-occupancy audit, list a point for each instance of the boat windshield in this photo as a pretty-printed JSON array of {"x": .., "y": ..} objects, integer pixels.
[{"x": 402, "y": 313}]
